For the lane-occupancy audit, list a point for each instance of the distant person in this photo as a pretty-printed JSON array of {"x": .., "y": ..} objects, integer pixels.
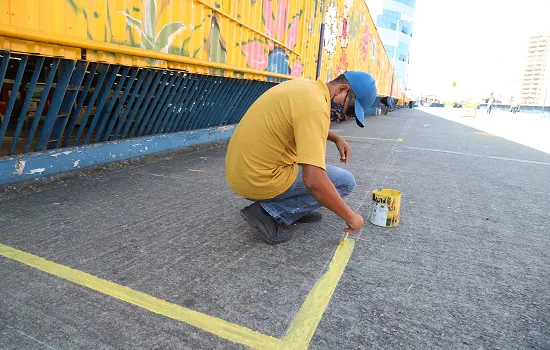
[
  {"x": 411, "y": 104},
  {"x": 515, "y": 107},
  {"x": 385, "y": 102},
  {"x": 490, "y": 105}
]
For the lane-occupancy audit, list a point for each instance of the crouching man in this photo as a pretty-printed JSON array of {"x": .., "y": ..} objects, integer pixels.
[{"x": 276, "y": 156}]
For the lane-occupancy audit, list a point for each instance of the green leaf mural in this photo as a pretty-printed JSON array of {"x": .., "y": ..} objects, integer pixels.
[
  {"x": 150, "y": 17},
  {"x": 216, "y": 46},
  {"x": 151, "y": 40},
  {"x": 167, "y": 35}
]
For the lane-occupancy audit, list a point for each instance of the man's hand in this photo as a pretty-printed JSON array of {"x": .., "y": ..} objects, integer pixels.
[
  {"x": 354, "y": 223},
  {"x": 341, "y": 145},
  {"x": 320, "y": 186},
  {"x": 344, "y": 149}
]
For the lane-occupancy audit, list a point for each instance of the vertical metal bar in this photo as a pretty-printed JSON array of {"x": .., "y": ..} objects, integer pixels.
[
  {"x": 81, "y": 98},
  {"x": 153, "y": 75},
  {"x": 259, "y": 91},
  {"x": 320, "y": 52},
  {"x": 174, "y": 105},
  {"x": 114, "y": 119},
  {"x": 213, "y": 113},
  {"x": 204, "y": 107},
  {"x": 43, "y": 99},
  {"x": 200, "y": 112},
  {"x": 236, "y": 86},
  {"x": 233, "y": 86},
  {"x": 187, "y": 94},
  {"x": 160, "y": 103},
  {"x": 106, "y": 90},
  {"x": 237, "y": 101},
  {"x": 194, "y": 101},
  {"x": 106, "y": 116},
  {"x": 4, "y": 66},
  {"x": 68, "y": 104},
  {"x": 146, "y": 101},
  {"x": 232, "y": 89},
  {"x": 215, "y": 101},
  {"x": 153, "y": 102},
  {"x": 13, "y": 97},
  {"x": 23, "y": 115},
  {"x": 170, "y": 105},
  {"x": 67, "y": 67},
  {"x": 249, "y": 96},
  {"x": 103, "y": 69},
  {"x": 143, "y": 74},
  {"x": 187, "y": 89},
  {"x": 199, "y": 103}
]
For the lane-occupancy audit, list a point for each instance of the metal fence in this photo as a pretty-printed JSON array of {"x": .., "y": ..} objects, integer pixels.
[{"x": 55, "y": 102}]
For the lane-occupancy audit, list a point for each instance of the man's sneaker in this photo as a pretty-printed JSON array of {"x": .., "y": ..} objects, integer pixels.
[
  {"x": 267, "y": 225},
  {"x": 312, "y": 216}
]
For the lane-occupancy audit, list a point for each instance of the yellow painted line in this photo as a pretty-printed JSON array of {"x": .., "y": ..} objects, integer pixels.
[
  {"x": 483, "y": 133},
  {"x": 219, "y": 327},
  {"x": 304, "y": 325},
  {"x": 372, "y": 138}
]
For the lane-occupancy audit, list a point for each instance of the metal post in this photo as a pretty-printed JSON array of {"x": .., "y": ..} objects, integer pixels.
[{"x": 321, "y": 44}]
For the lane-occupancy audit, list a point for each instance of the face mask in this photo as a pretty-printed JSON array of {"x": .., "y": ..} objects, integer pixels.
[{"x": 336, "y": 111}]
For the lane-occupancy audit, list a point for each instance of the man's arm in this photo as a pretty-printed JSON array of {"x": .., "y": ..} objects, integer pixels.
[
  {"x": 341, "y": 145},
  {"x": 333, "y": 137},
  {"x": 320, "y": 186}
]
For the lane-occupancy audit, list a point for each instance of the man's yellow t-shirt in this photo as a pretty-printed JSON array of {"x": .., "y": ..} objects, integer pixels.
[{"x": 288, "y": 125}]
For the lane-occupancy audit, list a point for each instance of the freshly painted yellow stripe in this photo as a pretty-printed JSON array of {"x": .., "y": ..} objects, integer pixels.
[
  {"x": 372, "y": 138},
  {"x": 483, "y": 133},
  {"x": 304, "y": 325},
  {"x": 219, "y": 327}
]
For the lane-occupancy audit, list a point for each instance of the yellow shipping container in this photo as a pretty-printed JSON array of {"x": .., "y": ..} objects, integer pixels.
[{"x": 251, "y": 39}]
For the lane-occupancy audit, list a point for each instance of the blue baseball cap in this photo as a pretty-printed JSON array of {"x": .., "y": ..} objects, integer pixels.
[{"x": 364, "y": 88}]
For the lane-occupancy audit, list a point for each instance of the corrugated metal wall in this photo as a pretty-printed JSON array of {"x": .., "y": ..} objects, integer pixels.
[
  {"x": 278, "y": 36},
  {"x": 82, "y": 71}
]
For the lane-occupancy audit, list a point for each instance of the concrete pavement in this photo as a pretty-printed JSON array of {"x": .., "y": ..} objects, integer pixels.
[{"x": 469, "y": 266}]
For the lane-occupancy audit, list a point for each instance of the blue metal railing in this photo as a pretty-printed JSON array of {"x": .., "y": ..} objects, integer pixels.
[{"x": 48, "y": 103}]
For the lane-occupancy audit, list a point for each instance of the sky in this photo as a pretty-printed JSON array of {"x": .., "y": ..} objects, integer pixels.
[{"x": 479, "y": 44}]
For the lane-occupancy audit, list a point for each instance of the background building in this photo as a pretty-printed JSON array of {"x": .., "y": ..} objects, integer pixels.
[
  {"x": 535, "y": 79},
  {"x": 394, "y": 21}
]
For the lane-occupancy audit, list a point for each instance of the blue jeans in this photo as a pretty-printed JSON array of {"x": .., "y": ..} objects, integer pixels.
[{"x": 297, "y": 201}]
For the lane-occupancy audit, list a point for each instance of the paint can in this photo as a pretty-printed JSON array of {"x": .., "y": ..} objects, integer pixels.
[{"x": 385, "y": 208}]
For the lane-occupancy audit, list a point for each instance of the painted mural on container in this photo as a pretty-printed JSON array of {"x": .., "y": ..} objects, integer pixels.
[
  {"x": 217, "y": 31},
  {"x": 351, "y": 42},
  {"x": 279, "y": 36}
]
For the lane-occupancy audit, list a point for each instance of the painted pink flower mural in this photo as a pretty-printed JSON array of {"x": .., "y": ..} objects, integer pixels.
[
  {"x": 344, "y": 24},
  {"x": 256, "y": 55},
  {"x": 297, "y": 69},
  {"x": 275, "y": 58},
  {"x": 342, "y": 65},
  {"x": 365, "y": 42}
]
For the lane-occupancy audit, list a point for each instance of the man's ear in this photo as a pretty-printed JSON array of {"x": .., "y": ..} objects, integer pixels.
[{"x": 343, "y": 88}]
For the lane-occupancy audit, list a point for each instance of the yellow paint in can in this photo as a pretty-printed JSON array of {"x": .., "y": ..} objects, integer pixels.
[{"x": 386, "y": 206}]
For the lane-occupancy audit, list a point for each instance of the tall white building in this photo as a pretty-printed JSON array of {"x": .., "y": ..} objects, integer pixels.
[
  {"x": 535, "y": 80},
  {"x": 394, "y": 20}
]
